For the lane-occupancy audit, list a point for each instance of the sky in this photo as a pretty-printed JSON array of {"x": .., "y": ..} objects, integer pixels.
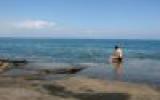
[{"x": 106, "y": 19}]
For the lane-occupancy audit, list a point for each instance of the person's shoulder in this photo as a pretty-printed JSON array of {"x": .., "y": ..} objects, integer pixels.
[{"x": 119, "y": 49}]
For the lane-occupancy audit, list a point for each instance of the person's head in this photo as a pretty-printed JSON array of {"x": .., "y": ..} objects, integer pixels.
[{"x": 116, "y": 47}]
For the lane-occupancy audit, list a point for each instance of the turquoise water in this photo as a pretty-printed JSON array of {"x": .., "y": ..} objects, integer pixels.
[{"x": 141, "y": 64}]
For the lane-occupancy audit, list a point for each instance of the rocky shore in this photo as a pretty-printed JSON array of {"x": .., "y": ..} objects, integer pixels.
[
  {"x": 74, "y": 88},
  {"x": 70, "y": 88}
]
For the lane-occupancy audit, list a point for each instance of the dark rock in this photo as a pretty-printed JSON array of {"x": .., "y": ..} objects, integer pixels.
[
  {"x": 62, "y": 71},
  {"x": 13, "y": 62}
]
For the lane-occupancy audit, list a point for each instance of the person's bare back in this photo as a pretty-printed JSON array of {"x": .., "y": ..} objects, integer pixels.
[{"x": 117, "y": 55}]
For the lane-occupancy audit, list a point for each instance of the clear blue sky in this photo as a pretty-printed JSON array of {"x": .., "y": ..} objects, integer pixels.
[{"x": 80, "y": 18}]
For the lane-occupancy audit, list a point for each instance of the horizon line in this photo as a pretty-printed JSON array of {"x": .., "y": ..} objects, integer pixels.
[{"x": 68, "y": 38}]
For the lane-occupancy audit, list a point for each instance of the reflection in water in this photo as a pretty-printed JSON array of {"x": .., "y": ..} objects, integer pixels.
[{"x": 118, "y": 70}]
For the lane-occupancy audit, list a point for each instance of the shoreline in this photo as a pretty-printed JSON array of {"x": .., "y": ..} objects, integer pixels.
[
  {"x": 34, "y": 86},
  {"x": 38, "y": 74}
]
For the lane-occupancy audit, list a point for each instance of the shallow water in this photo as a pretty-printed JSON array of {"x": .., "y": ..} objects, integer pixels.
[
  {"x": 139, "y": 71},
  {"x": 141, "y": 63}
]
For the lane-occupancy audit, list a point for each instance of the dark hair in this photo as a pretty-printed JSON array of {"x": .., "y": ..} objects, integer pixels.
[{"x": 116, "y": 47}]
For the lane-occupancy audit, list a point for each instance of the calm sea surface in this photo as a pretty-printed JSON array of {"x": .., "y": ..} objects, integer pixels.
[{"x": 141, "y": 63}]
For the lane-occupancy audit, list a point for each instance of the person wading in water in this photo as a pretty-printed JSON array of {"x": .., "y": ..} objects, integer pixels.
[
  {"x": 117, "y": 55},
  {"x": 116, "y": 61}
]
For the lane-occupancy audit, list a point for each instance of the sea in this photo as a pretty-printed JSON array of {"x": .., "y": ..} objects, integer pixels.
[{"x": 141, "y": 62}]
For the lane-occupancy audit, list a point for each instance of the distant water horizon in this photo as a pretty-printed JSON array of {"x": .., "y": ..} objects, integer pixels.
[
  {"x": 76, "y": 38},
  {"x": 141, "y": 62}
]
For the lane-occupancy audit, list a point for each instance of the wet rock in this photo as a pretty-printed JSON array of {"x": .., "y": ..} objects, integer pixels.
[
  {"x": 13, "y": 62},
  {"x": 7, "y": 64},
  {"x": 18, "y": 62},
  {"x": 62, "y": 71}
]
